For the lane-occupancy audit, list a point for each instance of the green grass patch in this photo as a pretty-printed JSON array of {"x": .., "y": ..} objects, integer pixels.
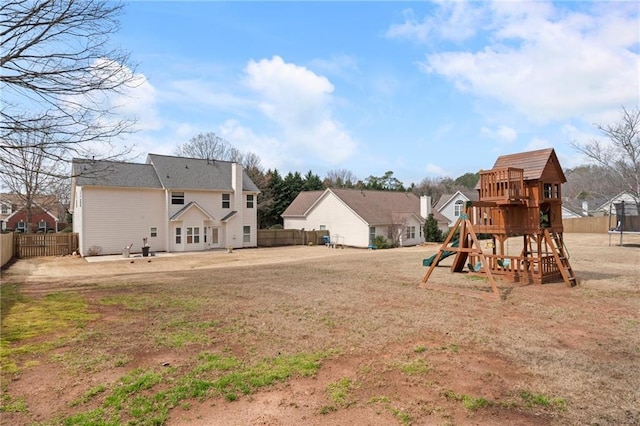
[
  {"x": 532, "y": 400},
  {"x": 340, "y": 391},
  {"x": 420, "y": 349},
  {"x": 469, "y": 402},
  {"x": 57, "y": 314},
  {"x": 416, "y": 366},
  {"x": 402, "y": 416},
  {"x": 89, "y": 395},
  {"x": 8, "y": 404}
]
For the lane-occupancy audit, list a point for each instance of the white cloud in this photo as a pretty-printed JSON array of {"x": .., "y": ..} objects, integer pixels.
[
  {"x": 502, "y": 133},
  {"x": 551, "y": 63},
  {"x": 299, "y": 102},
  {"x": 436, "y": 170},
  {"x": 455, "y": 21}
]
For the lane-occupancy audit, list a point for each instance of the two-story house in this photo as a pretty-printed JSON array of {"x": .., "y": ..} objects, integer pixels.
[{"x": 172, "y": 203}]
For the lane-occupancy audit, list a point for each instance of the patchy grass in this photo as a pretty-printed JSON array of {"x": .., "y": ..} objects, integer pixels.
[{"x": 56, "y": 317}]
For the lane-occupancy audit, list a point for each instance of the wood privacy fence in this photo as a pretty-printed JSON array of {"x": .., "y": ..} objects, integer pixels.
[
  {"x": 6, "y": 247},
  {"x": 289, "y": 237},
  {"x": 31, "y": 245},
  {"x": 593, "y": 225}
]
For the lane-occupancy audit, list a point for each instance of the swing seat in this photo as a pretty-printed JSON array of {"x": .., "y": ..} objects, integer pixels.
[
  {"x": 474, "y": 268},
  {"x": 504, "y": 263}
]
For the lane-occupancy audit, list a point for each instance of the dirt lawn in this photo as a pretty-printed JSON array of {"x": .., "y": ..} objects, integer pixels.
[{"x": 387, "y": 351}]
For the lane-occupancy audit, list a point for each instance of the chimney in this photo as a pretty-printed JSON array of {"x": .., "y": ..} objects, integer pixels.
[
  {"x": 585, "y": 208},
  {"x": 425, "y": 206}
]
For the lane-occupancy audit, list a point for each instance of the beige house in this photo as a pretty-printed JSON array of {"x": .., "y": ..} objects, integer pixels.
[
  {"x": 172, "y": 203},
  {"x": 452, "y": 205},
  {"x": 355, "y": 217}
]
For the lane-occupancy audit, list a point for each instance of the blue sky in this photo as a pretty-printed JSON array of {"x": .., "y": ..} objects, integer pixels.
[{"x": 425, "y": 89}]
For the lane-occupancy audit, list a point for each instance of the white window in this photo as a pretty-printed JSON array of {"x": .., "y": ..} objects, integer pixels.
[
  {"x": 410, "y": 232},
  {"x": 457, "y": 208},
  {"x": 153, "y": 232},
  {"x": 177, "y": 198},
  {"x": 323, "y": 227},
  {"x": 246, "y": 234},
  {"x": 5, "y": 209},
  {"x": 226, "y": 201},
  {"x": 250, "y": 201},
  {"x": 196, "y": 235},
  {"x": 21, "y": 226},
  {"x": 178, "y": 235},
  {"x": 372, "y": 233},
  {"x": 42, "y": 226},
  {"x": 189, "y": 235}
]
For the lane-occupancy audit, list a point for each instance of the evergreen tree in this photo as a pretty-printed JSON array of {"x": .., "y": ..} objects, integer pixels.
[{"x": 431, "y": 231}]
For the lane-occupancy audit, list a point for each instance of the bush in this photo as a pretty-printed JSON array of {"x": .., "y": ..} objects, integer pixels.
[
  {"x": 276, "y": 226},
  {"x": 67, "y": 229},
  {"x": 380, "y": 242},
  {"x": 94, "y": 250},
  {"x": 431, "y": 231}
]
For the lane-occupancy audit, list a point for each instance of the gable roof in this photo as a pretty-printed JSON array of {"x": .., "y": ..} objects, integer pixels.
[
  {"x": 196, "y": 173},
  {"x": 446, "y": 198},
  {"x": 374, "y": 207},
  {"x": 534, "y": 163},
  {"x": 114, "y": 174},
  {"x": 189, "y": 206}
]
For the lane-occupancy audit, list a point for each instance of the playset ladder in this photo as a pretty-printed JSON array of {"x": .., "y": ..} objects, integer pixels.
[{"x": 562, "y": 260}]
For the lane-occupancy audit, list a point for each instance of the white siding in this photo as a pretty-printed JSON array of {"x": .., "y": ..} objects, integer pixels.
[
  {"x": 337, "y": 218},
  {"x": 250, "y": 218},
  {"x": 112, "y": 218}
]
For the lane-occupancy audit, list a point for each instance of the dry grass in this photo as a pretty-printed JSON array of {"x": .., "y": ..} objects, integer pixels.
[{"x": 544, "y": 354}]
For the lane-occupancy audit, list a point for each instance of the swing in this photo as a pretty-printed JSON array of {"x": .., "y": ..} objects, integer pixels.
[
  {"x": 474, "y": 268},
  {"x": 504, "y": 263}
]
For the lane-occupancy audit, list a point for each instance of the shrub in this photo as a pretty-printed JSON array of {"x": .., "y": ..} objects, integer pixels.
[
  {"x": 431, "y": 231},
  {"x": 276, "y": 226},
  {"x": 67, "y": 229},
  {"x": 94, "y": 250},
  {"x": 380, "y": 242}
]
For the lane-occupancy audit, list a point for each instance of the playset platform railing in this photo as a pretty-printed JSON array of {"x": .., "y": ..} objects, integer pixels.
[{"x": 503, "y": 185}]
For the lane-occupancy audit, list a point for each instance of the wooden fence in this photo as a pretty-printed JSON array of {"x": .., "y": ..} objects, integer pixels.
[
  {"x": 31, "y": 245},
  {"x": 289, "y": 237},
  {"x": 592, "y": 225},
  {"x": 6, "y": 248}
]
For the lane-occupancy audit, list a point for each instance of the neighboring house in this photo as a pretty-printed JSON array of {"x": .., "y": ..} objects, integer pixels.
[
  {"x": 174, "y": 203},
  {"x": 452, "y": 205},
  {"x": 44, "y": 214},
  {"x": 571, "y": 213},
  {"x": 608, "y": 207},
  {"x": 355, "y": 217}
]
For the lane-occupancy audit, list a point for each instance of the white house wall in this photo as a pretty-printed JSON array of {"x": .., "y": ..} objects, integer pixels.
[
  {"x": 112, "y": 218},
  {"x": 337, "y": 218}
]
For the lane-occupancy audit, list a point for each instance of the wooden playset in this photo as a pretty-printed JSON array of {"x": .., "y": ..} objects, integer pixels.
[{"x": 520, "y": 197}]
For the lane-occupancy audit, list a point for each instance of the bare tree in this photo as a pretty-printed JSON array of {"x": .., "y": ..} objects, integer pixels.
[
  {"x": 211, "y": 147},
  {"x": 33, "y": 175},
  {"x": 340, "y": 178},
  {"x": 619, "y": 153},
  {"x": 58, "y": 78}
]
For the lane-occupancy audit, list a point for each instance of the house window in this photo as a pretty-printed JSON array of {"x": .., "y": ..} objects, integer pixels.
[
  {"x": 410, "y": 232},
  {"x": 323, "y": 227},
  {"x": 177, "y": 198},
  {"x": 204, "y": 234},
  {"x": 196, "y": 235},
  {"x": 250, "y": 201},
  {"x": 5, "y": 209},
  {"x": 556, "y": 190},
  {"x": 547, "y": 190},
  {"x": 214, "y": 236},
  {"x": 42, "y": 226},
  {"x": 189, "y": 235},
  {"x": 21, "y": 226},
  {"x": 178, "y": 235},
  {"x": 226, "y": 201},
  {"x": 457, "y": 208},
  {"x": 372, "y": 233},
  {"x": 153, "y": 232},
  {"x": 246, "y": 234}
]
